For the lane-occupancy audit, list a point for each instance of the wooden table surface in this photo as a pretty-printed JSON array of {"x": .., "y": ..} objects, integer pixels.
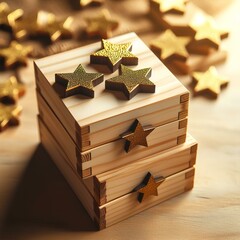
[{"x": 37, "y": 203}]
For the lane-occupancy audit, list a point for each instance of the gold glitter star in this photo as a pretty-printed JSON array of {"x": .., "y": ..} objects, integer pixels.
[
  {"x": 85, "y": 3},
  {"x": 9, "y": 116},
  {"x": 6, "y": 16},
  {"x": 113, "y": 55},
  {"x": 57, "y": 29},
  {"x": 209, "y": 80},
  {"x": 102, "y": 25},
  {"x": 137, "y": 135},
  {"x": 79, "y": 81},
  {"x": 170, "y": 46},
  {"x": 207, "y": 32},
  {"x": 149, "y": 187},
  {"x": 131, "y": 82},
  {"x": 11, "y": 90},
  {"x": 16, "y": 54},
  {"x": 172, "y": 6}
]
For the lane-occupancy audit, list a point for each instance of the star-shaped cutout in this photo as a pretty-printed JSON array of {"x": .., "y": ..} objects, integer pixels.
[
  {"x": 114, "y": 54},
  {"x": 16, "y": 54},
  {"x": 79, "y": 82},
  {"x": 102, "y": 25},
  {"x": 209, "y": 80},
  {"x": 9, "y": 116},
  {"x": 85, "y": 3},
  {"x": 148, "y": 187},
  {"x": 131, "y": 82},
  {"x": 170, "y": 46},
  {"x": 7, "y": 16},
  {"x": 172, "y": 6},
  {"x": 11, "y": 90},
  {"x": 137, "y": 135},
  {"x": 207, "y": 32}
]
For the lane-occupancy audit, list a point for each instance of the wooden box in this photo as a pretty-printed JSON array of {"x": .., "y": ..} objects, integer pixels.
[
  {"x": 109, "y": 197},
  {"x": 93, "y": 127}
]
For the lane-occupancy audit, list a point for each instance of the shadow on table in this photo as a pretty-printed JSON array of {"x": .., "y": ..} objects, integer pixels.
[{"x": 43, "y": 197}]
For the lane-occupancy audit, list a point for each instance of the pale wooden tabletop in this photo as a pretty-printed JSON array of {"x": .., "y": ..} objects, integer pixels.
[{"x": 37, "y": 203}]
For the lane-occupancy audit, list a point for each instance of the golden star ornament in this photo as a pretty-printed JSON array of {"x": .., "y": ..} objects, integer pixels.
[
  {"x": 15, "y": 55},
  {"x": 169, "y": 46},
  {"x": 172, "y": 6},
  {"x": 11, "y": 90},
  {"x": 137, "y": 135},
  {"x": 86, "y": 3},
  {"x": 79, "y": 82},
  {"x": 209, "y": 81},
  {"x": 113, "y": 55},
  {"x": 207, "y": 31},
  {"x": 7, "y": 16},
  {"x": 149, "y": 187},
  {"x": 131, "y": 82},
  {"x": 102, "y": 25},
  {"x": 9, "y": 116}
]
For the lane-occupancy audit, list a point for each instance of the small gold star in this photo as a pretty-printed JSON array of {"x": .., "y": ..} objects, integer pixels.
[
  {"x": 131, "y": 82},
  {"x": 171, "y": 46},
  {"x": 207, "y": 31},
  {"x": 11, "y": 90},
  {"x": 79, "y": 81},
  {"x": 85, "y": 3},
  {"x": 6, "y": 16},
  {"x": 102, "y": 25},
  {"x": 9, "y": 116},
  {"x": 172, "y": 6},
  {"x": 149, "y": 187},
  {"x": 209, "y": 80},
  {"x": 137, "y": 135},
  {"x": 15, "y": 54},
  {"x": 114, "y": 54}
]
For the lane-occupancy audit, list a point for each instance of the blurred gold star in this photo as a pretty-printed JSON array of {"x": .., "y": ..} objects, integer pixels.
[
  {"x": 11, "y": 90},
  {"x": 7, "y": 16},
  {"x": 85, "y": 3},
  {"x": 209, "y": 80},
  {"x": 207, "y": 31},
  {"x": 79, "y": 81},
  {"x": 172, "y": 6},
  {"x": 102, "y": 25},
  {"x": 15, "y": 54},
  {"x": 137, "y": 135},
  {"x": 114, "y": 54},
  {"x": 149, "y": 187},
  {"x": 171, "y": 46},
  {"x": 131, "y": 82},
  {"x": 9, "y": 116}
]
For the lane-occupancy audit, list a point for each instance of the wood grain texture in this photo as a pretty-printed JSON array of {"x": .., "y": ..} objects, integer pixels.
[
  {"x": 210, "y": 211},
  {"x": 107, "y": 110}
]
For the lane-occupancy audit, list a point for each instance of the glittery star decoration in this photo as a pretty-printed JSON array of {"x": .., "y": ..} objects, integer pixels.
[
  {"x": 11, "y": 90},
  {"x": 16, "y": 54},
  {"x": 85, "y": 3},
  {"x": 172, "y": 6},
  {"x": 170, "y": 46},
  {"x": 207, "y": 32},
  {"x": 79, "y": 82},
  {"x": 148, "y": 187},
  {"x": 114, "y": 54},
  {"x": 137, "y": 135},
  {"x": 7, "y": 16},
  {"x": 131, "y": 82},
  {"x": 58, "y": 29},
  {"x": 9, "y": 116},
  {"x": 102, "y": 25},
  {"x": 209, "y": 81}
]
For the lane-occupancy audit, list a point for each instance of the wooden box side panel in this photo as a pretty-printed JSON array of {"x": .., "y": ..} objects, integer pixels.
[{"x": 126, "y": 206}]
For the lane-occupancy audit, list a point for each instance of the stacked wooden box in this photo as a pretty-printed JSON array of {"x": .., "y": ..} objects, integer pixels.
[{"x": 82, "y": 135}]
